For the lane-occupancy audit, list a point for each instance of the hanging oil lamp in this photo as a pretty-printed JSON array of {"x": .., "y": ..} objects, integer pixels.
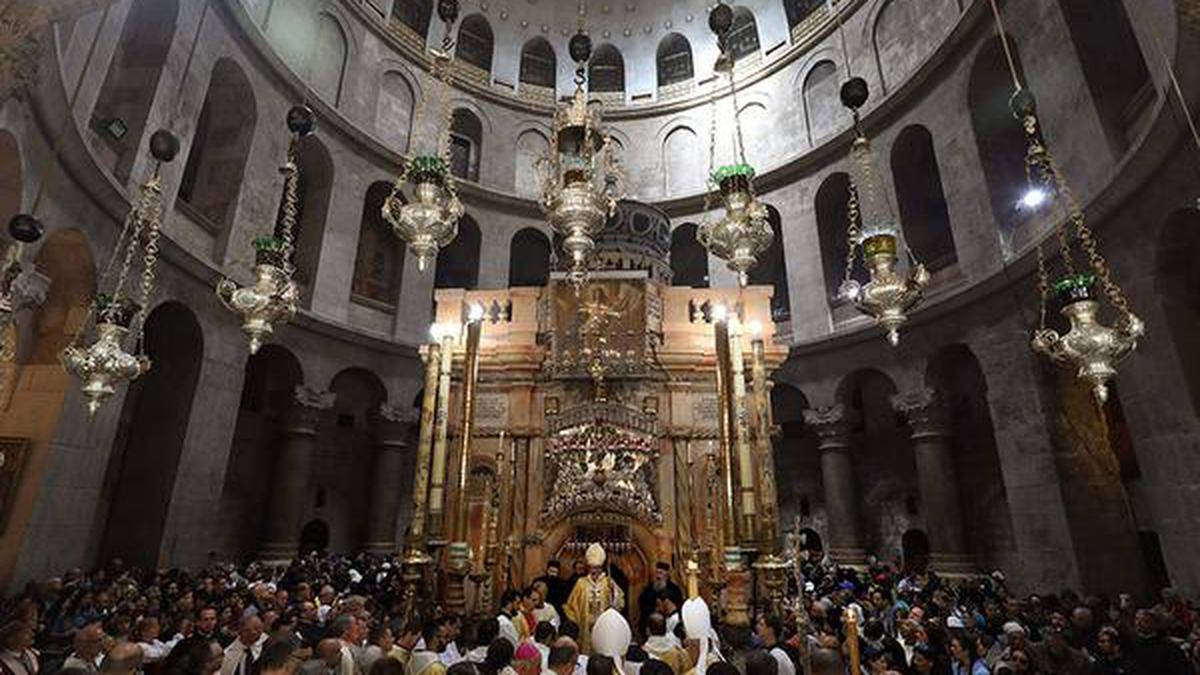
[
  {"x": 114, "y": 357},
  {"x": 890, "y": 292},
  {"x": 430, "y": 221},
  {"x": 743, "y": 233},
  {"x": 272, "y": 298}
]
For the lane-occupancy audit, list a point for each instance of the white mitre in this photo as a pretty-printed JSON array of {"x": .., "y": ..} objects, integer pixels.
[
  {"x": 611, "y": 637},
  {"x": 595, "y": 555},
  {"x": 697, "y": 621}
]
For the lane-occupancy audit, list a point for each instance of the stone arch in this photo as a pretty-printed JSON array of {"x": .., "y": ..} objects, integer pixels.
[
  {"x": 529, "y": 258},
  {"x": 379, "y": 261},
  {"x": 476, "y": 43},
  {"x": 833, "y": 213},
  {"x": 216, "y": 162},
  {"x": 270, "y": 378},
  {"x": 466, "y": 142},
  {"x": 798, "y": 10},
  {"x": 343, "y": 468},
  {"x": 458, "y": 263},
  {"x": 797, "y": 464},
  {"x": 743, "y": 36},
  {"x": 123, "y": 108},
  {"x": 955, "y": 373},
  {"x": 66, "y": 258},
  {"x": 682, "y": 175},
  {"x": 141, "y": 474},
  {"x": 394, "y": 111},
  {"x": 900, "y": 36},
  {"x": 539, "y": 64},
  {"x": 316, "y": 173},
  {"x": 759, "y": 133},
  {"x": 924, "y": 215},
  {"x": 327, "y": 70},
  {"x": 532, "y": 145},
  {"x": 1177, "y": 281},
  {"x": 884, "y": 467},
  {"x": 821, "y": 102},
  {"x": 314, "y": 537},
  {"x": 606, "y": 70},
  {"x": 415, "y": 14},
  {"x": 998, "y": 137},
  {"x": 674, "y": 60},
  {"x": 1113, "y": 65},
  {"x": 689, "y": 260},
  {"x": 771, "y": 270}
]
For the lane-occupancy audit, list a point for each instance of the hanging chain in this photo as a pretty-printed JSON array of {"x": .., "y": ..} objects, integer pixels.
[
  {"x": 1043, "y": 286},
  {"x": 153, "y": 219},
  {"x": 853, "y": 217},
  {"x": 712, "y": 150},
  {"x": 739, "y": 147},
  {"x": 291, "y": 200}
]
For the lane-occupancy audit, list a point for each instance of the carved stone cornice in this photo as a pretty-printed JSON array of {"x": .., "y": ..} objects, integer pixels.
[
  {"x": 832, "y": 425},
  {"x": 925, "y": 412},
  {"x": 392, "y": 425},
  {"x": 308, "y": 406}
]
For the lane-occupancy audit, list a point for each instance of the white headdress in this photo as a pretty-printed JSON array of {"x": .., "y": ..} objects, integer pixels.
[
  {"x": 595, "y": 555},
  {"x": 697, "y": 621},
  {"x": 611, "y": 636}
]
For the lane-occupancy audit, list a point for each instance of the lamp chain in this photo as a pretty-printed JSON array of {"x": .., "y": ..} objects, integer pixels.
[
  {"x": 291, "y": 198},
  {"x": 852, "y": 234}
]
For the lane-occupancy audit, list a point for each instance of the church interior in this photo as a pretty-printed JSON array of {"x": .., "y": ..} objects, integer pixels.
[{"x": 776, "y": 305}]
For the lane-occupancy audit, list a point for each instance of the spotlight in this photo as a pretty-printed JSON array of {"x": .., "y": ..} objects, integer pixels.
[
  {"x": 720, "y": 313},
  {"x": 1034, "y": 197}
]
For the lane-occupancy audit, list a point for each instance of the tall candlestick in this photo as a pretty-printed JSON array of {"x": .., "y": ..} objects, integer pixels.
[
  {"x": 416, "y": 543},
  {"x": 437, "y": 485},
  {"x": 741, "y": 432},
  {"x": 761, "y": 401},
  {"x": 728, "y": 518},
  {"x": 467, "y": 423}
]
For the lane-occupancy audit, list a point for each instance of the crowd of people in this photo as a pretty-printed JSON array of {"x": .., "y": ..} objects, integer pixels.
[{"x": 343, "y": 616}]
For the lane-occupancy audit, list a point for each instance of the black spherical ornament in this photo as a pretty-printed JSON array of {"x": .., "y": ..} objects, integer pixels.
[
  {"x": 300, "y": 120},
  {"x": 25, "y": 228},
  {"x": 720, "y": 19},
  {"x": 448, "y": 10},
  {"x": 580, "y": 48},
  {"x": 164, "y": 145},
  {"x": 855, "y": 93},
  {"x": 1023, "y": 103}
]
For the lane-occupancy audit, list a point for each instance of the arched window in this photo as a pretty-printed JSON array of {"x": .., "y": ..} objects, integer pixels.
[
  {"x": 689, "y": 260},
  {"x": 119, "y": 118},
  {"x": 1113, "y": 64},
  {"x": 531, "y": 146},
  {"x": 743, "y": 37},
  {"x": 1178, "y": 284},
  {"x": 539, "y": 66},
  {"x": 67, "y": 259},
  {"x": 674, "y": 60},
  {"x": 771, "y": 270},
  {"x": 683, "y": 174},
  {"x": 379, "y": 263},
  {"x": 822, "y": 105},
  {"x": 998, "y": 136},
  {"x": 458, "y": 263},
  {"x": 758, "y": 133},
  {"x": 415, "y": 14},
  {"x": 606, "y": 71},
  {"x": 529, "y": 259},
  {"x": 212, "y": 177},
  {"x": 798, "y": 10},
  {"x": 466, "y": 137},
  {"x": 923, "y": 212},
  {"x": 475, "y": 42},
  {"x": 833, "y": 214},
  {"x": 328, "y": 67},
  {"x": 904, "y": 35},
  {"x": 797, "y": 464},
  {"x": 316, "y": 187},
  {"x": 394, "y": 112}
]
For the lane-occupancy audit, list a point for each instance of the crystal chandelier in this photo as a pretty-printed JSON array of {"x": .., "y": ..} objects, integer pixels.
[
  {"x": 271, "y": 299},
  {"x": 890, "y": 292},
  {"x": 430, "y": 221},
  {"x": 17, "y": 290},
  {"x": 743, "y": 233},
  {"x": 115, "y": 357},
  {"x": 581, "y": 178}
]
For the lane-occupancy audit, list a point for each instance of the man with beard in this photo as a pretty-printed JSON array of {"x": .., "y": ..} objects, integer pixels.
[{"x": 648, "y": 599}]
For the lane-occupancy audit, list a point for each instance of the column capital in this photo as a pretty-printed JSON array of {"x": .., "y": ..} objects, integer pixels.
[
  {"x": 832, "y": 425},
  {"x": 308, "y": 405},
  {"x": 392, "y": 425},
  {"x": 925, "y": 411},
  {"x": 397, "y": 414}
]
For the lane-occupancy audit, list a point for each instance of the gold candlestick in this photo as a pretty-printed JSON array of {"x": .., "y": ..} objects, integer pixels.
[
  {"x": 741, "y": 432},
  {"x": 416, "y": 532},
  {"x": 761, "y": 402},
  {"x": 448, "y": 334},
  {"x": 727, "y": 519}
]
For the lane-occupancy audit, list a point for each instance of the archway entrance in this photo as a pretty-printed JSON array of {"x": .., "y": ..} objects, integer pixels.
[
  {"x": 915, "y": 547},
  {"x": 314, "y": 537}
]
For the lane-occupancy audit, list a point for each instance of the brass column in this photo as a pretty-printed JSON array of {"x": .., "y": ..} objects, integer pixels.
[
  {"x": 741, "y": 434},
  {"x": 459, "y": 554},
  {"x": 764, "y": 453},
  {"x": 727, "y": 518},
  {"x": 415, "y": 552},
  {"x": 437, "y": 485}
]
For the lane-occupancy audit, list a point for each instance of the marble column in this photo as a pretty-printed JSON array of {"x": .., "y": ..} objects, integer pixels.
[
  {"x": 391, "y": 439},
  {"x": 936, "y": 479},
  {"x": 291, "y": 473},
  {"x": 832, "y": 426}
]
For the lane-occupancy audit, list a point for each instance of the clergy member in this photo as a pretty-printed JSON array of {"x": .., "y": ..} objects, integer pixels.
[{"x": 592, "y": 595}]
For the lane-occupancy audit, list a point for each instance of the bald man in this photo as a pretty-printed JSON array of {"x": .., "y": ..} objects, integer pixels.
[
  {"x": 326, "y": 660},
  {"x": 241, "y": 654},
  {"x": 125, "y": 658},
  {"x": 88, "y": 645}
]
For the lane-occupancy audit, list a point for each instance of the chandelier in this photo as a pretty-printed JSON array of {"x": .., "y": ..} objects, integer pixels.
[
  {"x": 18, "y": 291},
  {"x": 743, "y": 233},
  {"x": 581, "y": 178},
  {"x": 271, "y": 299},
  {"x": 114, "y": 357},
  {"x": 890, "y": 292},
  {"x": 430, "y": 221}
]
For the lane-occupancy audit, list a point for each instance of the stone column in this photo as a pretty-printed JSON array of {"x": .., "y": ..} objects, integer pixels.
[
  {"x": 391, "y": 439},
  {"x": 832, "y": 426},
  {"x": 936, "y": 479},
  {"x": 291, "y": 473}
]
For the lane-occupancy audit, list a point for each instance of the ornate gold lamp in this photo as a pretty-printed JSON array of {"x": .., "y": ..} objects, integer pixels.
[
  {"x": 743, "y": 233},
  {"x": 430, "y": 221},
  {"x": 890, "y": 292},
  {"x": 271, "y": 299},
  {"x": 114, "y": 357},
  {"x": 581, "y": 178}
]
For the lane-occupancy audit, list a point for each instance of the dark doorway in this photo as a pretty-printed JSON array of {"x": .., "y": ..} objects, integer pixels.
[
  {"x": 314, "y": 538},
  {"x": 915, "y": 547}
]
